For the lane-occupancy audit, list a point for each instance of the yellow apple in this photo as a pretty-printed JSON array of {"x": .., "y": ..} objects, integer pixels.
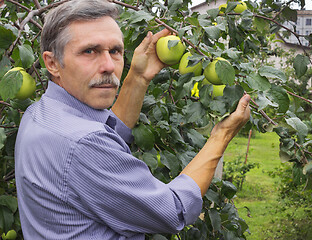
[
  {"x": 220, "y": 8},
  {"x": 240, "y": 7},
  {"x": 195, "y": 90},
  {"x": 28, "y": 86},
  {"x": 210, "y": 71},
  {"x": 217, "y": 90},
  {"x": 169, "y": 56},
  {"x": 183, "y": 68}
]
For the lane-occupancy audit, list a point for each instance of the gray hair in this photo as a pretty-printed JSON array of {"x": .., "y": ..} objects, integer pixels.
[{"x": 55, "y": 34}]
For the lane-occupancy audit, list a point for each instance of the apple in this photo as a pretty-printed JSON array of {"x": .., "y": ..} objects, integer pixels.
[
  {"x": 11, "y": 235},
  {"x": 28, "y": 86},
  {"x": 195, "y": 90},
  {"x": 169, "y": 56},
  {"x": 183, "y": 68},
  {"x": 217, "y": 90},
  {"x": 210, "y": 71},
  {"x": 240, "y": 7},
  {"x": 220, "y": 8}
]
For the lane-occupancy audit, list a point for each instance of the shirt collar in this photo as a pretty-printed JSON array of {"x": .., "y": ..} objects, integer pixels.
[{"x": 58, "y": 93}]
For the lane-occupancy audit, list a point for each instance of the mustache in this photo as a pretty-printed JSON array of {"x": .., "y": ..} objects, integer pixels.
[{"x": 105, "y": 79}]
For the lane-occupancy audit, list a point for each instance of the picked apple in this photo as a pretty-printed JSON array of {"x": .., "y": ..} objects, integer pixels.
[
  {"x": 28, "y": 86},
  {"x": 240, "y": 7},
  {"x": 217, "y": 90},
  {"x": 210, "y": 71},
  {"x": 184, "y": 68},
  {"x": 170, "y": 55}
]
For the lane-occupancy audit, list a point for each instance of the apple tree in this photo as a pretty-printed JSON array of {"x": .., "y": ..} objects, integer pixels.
[{"x": 180, "y": 108}]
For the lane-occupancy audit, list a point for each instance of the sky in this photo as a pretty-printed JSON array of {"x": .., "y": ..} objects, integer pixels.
[{"x": 308, "y": 3}]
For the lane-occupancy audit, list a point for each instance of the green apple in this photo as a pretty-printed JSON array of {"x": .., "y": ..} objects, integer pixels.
[
  {"x": 210, "y": 71},
  {"x": 195, "y": 90},
  {"x": 11, "y": 235},
  {"x": 220, "y": 8},
  {"x": 217, "y": 90},
  {"x": 183, "y": 68},
  {"x": 172, "y": 55},
  {"x": 28, "y": 86},
  {"x": 240, "y": 7}
]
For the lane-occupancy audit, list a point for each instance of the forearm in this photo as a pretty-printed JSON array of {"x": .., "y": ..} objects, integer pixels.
[
  {"x": 202, "y": 168},
  {"x": 130, "y": 99}
]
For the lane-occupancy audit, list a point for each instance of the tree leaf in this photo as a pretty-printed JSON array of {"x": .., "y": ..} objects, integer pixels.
[
  {"x": 9, "y": 202},
  {"x": 215, "y": 219},
  {"x": 307, "y": 169},
  {"x": 5, "y": 66},
  {"x": 271, "y": 72},
  {"x": 6, "y": 218},
  {"x": 174, "y": 4},
  {"x": 279, "y": 95},
  {"x": 171, "y": 162},
  {"x": 225, "y": 72},
  {"x": 143, "y": 137},
  {"x": 10, "y": 84},
  {"x": 299, "y": 126},
  {"x": 257, "y": 82},
  {"x": 195, "y": 138},
  {"x": 213, "y": 32},
  {"x": 301, "y": 63},
  {"x": 193, "y": 112},
  {"x": 151, "y": 160},
  {"x": 228, "y": 189},
  {"x": 26, "y": 55},
  {"x": 7, "y": 37},
  {"x": 3, "y": 138}
]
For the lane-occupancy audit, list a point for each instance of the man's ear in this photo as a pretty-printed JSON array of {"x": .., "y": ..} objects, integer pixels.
[{"x": 51, "y": 63}]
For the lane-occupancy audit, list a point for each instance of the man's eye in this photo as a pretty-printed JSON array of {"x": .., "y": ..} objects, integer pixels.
[{"x": 88, "y": 51}]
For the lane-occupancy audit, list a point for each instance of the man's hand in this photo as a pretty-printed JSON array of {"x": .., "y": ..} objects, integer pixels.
[
  {"x": 145, "y": 62},
  {"x": 144, "y": 66},
  {"x": 232, "y": 124}
]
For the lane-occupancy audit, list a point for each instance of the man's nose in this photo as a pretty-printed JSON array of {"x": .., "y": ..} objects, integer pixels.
[{"x": 107, "y": 64}]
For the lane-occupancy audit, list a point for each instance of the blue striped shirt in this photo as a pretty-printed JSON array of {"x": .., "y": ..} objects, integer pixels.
[{"x": 77, "y": 179}]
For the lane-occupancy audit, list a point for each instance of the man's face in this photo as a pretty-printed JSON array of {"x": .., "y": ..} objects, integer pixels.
[{"x": 94, "y": 51}]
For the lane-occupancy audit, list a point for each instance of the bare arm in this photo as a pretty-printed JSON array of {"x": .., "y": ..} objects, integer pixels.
[
  {"x": 144, "y": 66},
  {"x": 203, "y": 166}
]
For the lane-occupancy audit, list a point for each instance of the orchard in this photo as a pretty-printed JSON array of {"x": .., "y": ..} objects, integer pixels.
[{"x": 230, "y": 45}]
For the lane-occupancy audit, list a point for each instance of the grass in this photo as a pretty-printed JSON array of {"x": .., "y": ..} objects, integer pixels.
[{"x": 258, "y": 203}]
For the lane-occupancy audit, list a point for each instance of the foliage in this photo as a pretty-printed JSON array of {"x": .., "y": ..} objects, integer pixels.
[
  {"x": 173, "y": 124},
  {"x": 235, "y": 170}
]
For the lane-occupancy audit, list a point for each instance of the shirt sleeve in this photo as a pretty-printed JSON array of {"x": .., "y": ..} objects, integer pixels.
[{"x": 107, "y": 184}]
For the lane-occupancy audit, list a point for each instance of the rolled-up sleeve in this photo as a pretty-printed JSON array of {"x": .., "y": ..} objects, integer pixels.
[{"x": 108, "y": 184}]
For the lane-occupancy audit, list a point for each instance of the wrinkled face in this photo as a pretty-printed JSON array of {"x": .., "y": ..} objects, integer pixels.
[{"x": 93, "y": 62}]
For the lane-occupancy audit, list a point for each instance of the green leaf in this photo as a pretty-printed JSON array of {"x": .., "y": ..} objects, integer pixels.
[
  {"x": 279, "y": 95},
  {"x": 138, "y": 16},
  {"x": 9, "y": 202},
  {"x": 151, "y": 160},
  {"x": 174, "y": 4},
  {"x": 257, "y": 82},
  {"x": 307, "y": 169},
  {"x": 7, "y": 37},
  {"x": 172, "y": 43},
  {"x": 261, "y": 25},
  {"x": 301, "y": 63},
  {"x": 228, "y": 189},
  {"x": 3, "y": 137},
  {"x": 143, "y": 137},
  {"x": 5, "y": 66},
  {"x": 289, "y": 14},
  {"x": 299, "y": 126},
  {"x": 26, "y": 55},
  {"x": 233, "y": 94},
  {"x": 215, "y": 219},
  {"x": 226, "y": 72},
  {"x": 196, "y": 139},
  {"x": 271, "y": 72},
  {"x": 213, "y": 32},
  {"x": 6, "y": 218},
  {"x": 193, "y": 112},
  {"x": 10, "y": 84},
  {"x": 213, "y": 196},
  {"x": 171, "y": 162}
]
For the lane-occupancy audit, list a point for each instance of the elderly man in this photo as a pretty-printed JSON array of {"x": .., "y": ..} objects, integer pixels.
[{"x": 75, "y": 175}]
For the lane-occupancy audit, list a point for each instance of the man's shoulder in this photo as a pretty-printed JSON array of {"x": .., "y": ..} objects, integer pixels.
[{"x": 61, "y": 119}]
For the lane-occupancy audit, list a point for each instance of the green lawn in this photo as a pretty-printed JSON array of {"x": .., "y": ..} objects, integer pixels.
[{"x": 258, "y": 201}]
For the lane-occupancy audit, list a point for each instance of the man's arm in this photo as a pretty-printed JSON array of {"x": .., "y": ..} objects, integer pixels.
[
  {"x": 144, "y": 66},
  {"x": 201, "y": 169}
]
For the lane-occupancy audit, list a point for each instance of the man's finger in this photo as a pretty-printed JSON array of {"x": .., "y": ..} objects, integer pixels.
[{"x": 243, "y": 104}]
